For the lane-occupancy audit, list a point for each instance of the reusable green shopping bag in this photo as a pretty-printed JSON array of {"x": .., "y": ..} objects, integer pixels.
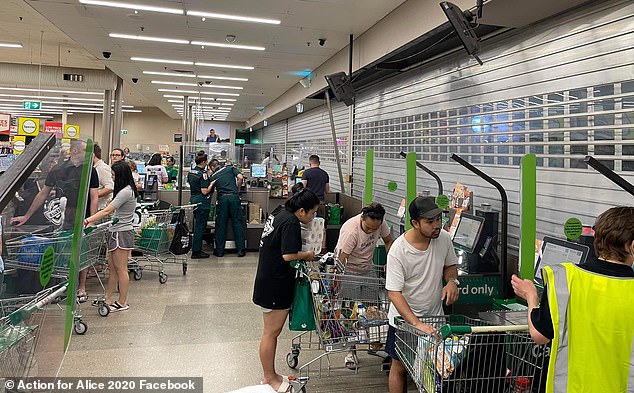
[{"x": 300, "y": 318}]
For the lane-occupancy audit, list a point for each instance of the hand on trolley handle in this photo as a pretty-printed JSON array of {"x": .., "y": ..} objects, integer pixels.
[{"x": 450, "y": 293}]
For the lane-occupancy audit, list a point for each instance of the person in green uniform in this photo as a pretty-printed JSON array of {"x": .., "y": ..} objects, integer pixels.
[
  {"x": 227, "y": 181},
  {"x": 201, "y": 187},
  {"x": 172, "y": 172}
]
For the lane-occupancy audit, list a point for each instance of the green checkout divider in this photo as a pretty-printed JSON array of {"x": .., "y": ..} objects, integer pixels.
[
  {"x": 78, "y": 226},
  {"x": 410, "y": 171},
  {"x": 369, "y": 177},
  {"x": 528, "y": 218}
]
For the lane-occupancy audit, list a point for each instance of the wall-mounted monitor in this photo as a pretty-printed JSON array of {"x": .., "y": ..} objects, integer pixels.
[
  {"x": 463, "y": 28},
  {"x": 341, "y": 87},
  {"x": 258, "y": 171}
]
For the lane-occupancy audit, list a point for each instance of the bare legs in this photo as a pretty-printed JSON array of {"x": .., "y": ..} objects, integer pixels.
[
  {"x": 118, "y": 265},
  {"x": 273, "y": 324}
]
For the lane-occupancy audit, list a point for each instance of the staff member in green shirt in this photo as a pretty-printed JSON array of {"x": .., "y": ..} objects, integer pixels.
[
  {"x": 172, "y": 172},
  {"x": 201, "y": 187},
  {"x": 228, "y": 206}
]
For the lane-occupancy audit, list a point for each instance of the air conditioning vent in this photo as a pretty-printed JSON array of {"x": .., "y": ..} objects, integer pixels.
[{"x": 74, "y": 77}]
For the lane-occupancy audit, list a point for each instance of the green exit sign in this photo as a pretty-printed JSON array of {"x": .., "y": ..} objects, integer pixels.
[
  {"x": 33, "y": 105},
  {"x": 240, "y": 141}
]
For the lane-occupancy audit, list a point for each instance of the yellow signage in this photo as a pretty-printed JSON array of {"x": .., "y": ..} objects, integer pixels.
[
  {"x": 65, "y": 144},
  {"x": 71, "y": 131},
  {"x": 28, "y": 126},
  {"x": 19, "y": 144}
]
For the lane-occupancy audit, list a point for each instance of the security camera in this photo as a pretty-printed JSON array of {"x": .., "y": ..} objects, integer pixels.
[
  {"x": 135, "y": 80},
  {"x": 208, "y": 82},
  {"x": 200, "y": 83},
  {"x": 322, "y": 41},
  {"x": 106, "y": 54}
]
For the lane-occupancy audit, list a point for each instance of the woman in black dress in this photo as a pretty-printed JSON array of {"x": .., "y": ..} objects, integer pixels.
[{"x": 281, "y": 243}]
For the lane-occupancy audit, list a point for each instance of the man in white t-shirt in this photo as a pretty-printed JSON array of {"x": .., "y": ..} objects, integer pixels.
[
  {"x": 355, "y": 248},
  {"x": 106, "y": 184},
  {"x": 416, "y": 265}
]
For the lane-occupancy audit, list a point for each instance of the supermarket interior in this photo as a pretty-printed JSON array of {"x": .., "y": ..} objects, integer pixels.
[{"x": 317, "y": 196}]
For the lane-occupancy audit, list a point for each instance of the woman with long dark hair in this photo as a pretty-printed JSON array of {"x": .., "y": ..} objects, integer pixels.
[
  {"x": 281, "y": 243},
  {"x": 154, "y": 168},
  {"x": 121, "y": 234}
]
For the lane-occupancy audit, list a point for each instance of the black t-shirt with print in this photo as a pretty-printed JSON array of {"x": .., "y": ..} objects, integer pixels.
[
  {"x": 275, "y": 278},
  {"x": 64, "y": 180},
  {"x": 541, "y": 316}
]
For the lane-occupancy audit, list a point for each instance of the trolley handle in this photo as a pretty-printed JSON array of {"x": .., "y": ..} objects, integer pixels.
[
  {"x": 174, "y": 208},
  {"x": 99, "y": 226},
  {"x": 450, "y": 330},
  {"x": 16, "y": 317}
]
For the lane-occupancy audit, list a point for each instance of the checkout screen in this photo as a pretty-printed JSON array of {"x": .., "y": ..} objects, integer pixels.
[
  {"x": 554, "y": 254},
  {"x": 467, "y": 232}
]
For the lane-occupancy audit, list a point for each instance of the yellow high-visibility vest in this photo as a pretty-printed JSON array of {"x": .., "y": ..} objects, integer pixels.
[{"x": 593, "y": 321}]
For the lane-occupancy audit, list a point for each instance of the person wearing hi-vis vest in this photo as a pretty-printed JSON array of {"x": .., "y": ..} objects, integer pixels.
[
  {"x": 200, "y": 186},
  {"x": 586, "y": 312},
  {"x": 228, "y": 181}
]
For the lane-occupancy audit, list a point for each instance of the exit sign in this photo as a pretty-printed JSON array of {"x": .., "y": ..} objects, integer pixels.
[
  {"x": 32, "y": 105},
  {"x": 124, "y": 132},
  {"x": 240, "y": 141}
]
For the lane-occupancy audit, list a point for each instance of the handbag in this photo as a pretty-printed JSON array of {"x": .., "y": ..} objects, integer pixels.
[{"x": 301, "y": 317}]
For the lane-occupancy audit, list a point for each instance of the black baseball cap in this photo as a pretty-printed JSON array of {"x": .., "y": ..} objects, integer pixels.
[{"x": 423, "y": 207}]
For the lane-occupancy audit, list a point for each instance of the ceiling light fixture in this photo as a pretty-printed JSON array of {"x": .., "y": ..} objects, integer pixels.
[
  {"x": 137, "y": 7},
  {"x": 151, "y": 60},
  {"x": 198, "y": 92},
  {"x": 224, "y": 78},
  {"x": 175, "y": 83},
  {"x": 198, "y": 98},
  {"x": 169, "y": 74},
  {"x": 231, "y": 46},
  {"x": 10, "y": 45},
  {"x": 224, "y": 66},
  {"x": 28, "y": 97},
  {"x": 147, "y": 38},
  {"x": 224, "y": 87},
  {"x": 51, "y": 91},
  {"x": 238, "y": 18}
]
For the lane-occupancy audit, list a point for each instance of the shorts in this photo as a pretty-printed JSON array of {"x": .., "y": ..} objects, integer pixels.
[
  {"x": 123, "y": 240},
  {"x": 390, "y": 343},
  {"x": 268, "y": 310}
]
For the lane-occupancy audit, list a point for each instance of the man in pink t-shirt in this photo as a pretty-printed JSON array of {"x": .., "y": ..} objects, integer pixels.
[
  {"x": 358, "y": 237},
  {"x": 355, "y": 248}
]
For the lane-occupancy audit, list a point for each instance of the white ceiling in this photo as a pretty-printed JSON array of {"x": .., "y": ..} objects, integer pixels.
[{"x": 291, "y": 47}]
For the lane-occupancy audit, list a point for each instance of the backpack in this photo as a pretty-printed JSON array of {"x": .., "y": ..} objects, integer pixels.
[{"x": 182, "y": 240}]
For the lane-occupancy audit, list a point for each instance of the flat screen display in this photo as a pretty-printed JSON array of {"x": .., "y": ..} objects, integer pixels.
[
  {"x": 556, "y": 251},
  {"x": 258, "y": 171},
  {"x": 468, "y": 232},
  {"x": 140, "y": 168}
]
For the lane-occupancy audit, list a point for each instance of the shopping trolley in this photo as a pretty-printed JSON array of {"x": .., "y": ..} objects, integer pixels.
[
  {"x": 20, "y": 320},
  {"x": 469, "y": 355},
  {"x": 349, "y": 310},
  {"x": 29, "y": 252}
]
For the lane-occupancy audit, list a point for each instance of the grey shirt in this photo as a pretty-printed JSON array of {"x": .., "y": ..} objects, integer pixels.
[{"x": 125, "y": 204}]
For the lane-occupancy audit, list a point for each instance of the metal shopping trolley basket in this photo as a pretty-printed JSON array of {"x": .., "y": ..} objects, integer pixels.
[
  {"x": 349, "y": 311},
  {"x": 465, "y": 355},
  {"x": 20, "y": 320}
]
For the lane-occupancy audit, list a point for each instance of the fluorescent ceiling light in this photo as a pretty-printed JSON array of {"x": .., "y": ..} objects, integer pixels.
[
  {"x": 51, "y": 91},
  {"x": 32, "y": 97},
  {"x": 239, "y": 18},
  {"x": 223, "y": 87},
  {"x": 219, "y": 103},
  {"x": 224, "y": 78},
  {"x": 19, "y": 101},
  {"x": 232, "y": 46},
  {"x": 150, "y": 60},
  {"x": 199, "y": 98},
  {"x": 10, "y": 45},
  {"x": 147, "y": 38},
  {"x": 199, "y": 92},
  {"x": 174, "y": 83},
  {"x": 140, "y": 7},
  {"x": 169, "y": 74},
  {"x": 238, "y": 67}
]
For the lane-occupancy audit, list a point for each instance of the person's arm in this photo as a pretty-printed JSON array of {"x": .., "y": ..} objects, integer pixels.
[
  {"x": 387, "y": 240},
  {"x": 326, "y": 188},
  {"x": 526, "y": 290},
  {"x": 94, "y": 200},
  {"x": 164, "y": 175},
  {"x": 403, "y": 308},
  {"x": 105, "y": 212},
  {"x": 208, "y": 189},
  {"x": 239, "y": 177},
  {"x": 450, "y": 291},
  {"x": 36, "y": 204},
  {"x": 299, "y": 256}
]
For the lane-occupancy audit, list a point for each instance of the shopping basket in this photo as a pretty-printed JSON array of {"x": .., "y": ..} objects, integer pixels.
[{"x": 469, "y": 355}]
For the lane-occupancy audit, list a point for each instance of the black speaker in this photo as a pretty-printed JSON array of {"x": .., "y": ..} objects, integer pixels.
[{"x": 341, "y": 87}]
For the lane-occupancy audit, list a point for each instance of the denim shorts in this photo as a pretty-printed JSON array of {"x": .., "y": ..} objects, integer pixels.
[{"x": 390, "y": 343}]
